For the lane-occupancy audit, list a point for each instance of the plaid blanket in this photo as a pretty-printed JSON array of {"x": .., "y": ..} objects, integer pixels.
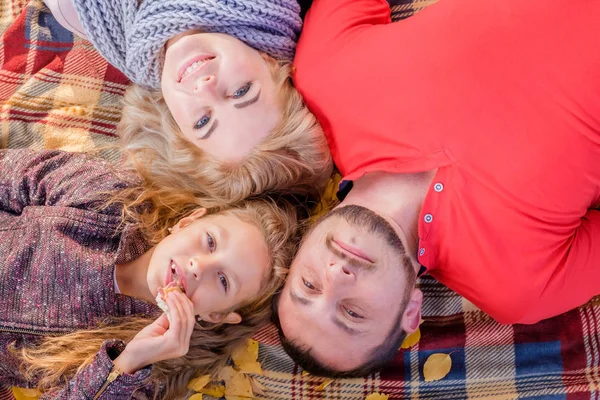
[{"x": 57, "y": 92}]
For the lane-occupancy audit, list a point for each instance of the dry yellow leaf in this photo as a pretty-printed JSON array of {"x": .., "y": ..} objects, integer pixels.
[
  {"x": 197, "y": 396},
  {"x": 437, "y": 367},
  {"x": 246, "y": 353},
  {"x": 236, "y": 383},
  {"x": 257, "y": 387},
  {"x": 25, "y": 394},
  {"x": 214, "y": 390},
  {"x": 305, "y": 373},
  {"x": 250, "y": 367},
  {"x": 232, "y": 397},
  {"x": 323, "y": 385},
  {"x": 412, "y": 339},
  {"x": 377, "y": 396},
  {"x": 198, "y": 383}
]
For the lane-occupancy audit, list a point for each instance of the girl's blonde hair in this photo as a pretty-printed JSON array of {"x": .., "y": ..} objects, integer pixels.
[
  {"x": 294, "y": 159},
  {"x": 57, "y": 359}
]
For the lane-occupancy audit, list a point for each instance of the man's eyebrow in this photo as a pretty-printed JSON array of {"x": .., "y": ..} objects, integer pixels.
[
  {"x": 340, "y": 324},
  {"x": 248, "y": 102},
  {"x": 210, "y": 131},
  {"x": 299, "y": 300}
]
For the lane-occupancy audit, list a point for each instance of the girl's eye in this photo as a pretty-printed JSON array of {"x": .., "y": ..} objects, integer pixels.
[
  {"x": 352, "y": 313},
  {"x": 212, "y": 244},
  {"x": 308, "y": 285},
  {"x": 223, "y": 280},
  {"x": 198, "y": 319},
  {"x": 201, "y": 123},
  {"x": 241, "y": 92}
]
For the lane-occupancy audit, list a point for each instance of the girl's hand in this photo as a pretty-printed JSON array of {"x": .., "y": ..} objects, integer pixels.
[{"x": 162, "y": 339}]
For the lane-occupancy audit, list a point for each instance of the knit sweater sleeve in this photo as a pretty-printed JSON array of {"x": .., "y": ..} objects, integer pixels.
[
  {"x": 56, "y": 178},
  {"x": 94, "y": 380}
]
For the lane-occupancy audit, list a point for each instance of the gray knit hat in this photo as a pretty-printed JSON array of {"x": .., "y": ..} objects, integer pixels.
[{"x": 132, "y": 37}]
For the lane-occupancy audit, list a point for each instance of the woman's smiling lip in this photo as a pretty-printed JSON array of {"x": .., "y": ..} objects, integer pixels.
[
  {"x": 190, "y": 62},
  {"x": 353, "y": 250}
]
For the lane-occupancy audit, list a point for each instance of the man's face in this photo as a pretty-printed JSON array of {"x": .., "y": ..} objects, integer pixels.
[{"x": 346, "y": 288}]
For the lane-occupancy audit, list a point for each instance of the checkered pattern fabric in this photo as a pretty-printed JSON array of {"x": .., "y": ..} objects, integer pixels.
[{"x": 57, "y": 92}]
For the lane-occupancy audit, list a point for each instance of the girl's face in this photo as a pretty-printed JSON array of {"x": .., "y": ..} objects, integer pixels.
[
  {"x": 219, "y": 261},
  {"x": 220, "y": 92}
]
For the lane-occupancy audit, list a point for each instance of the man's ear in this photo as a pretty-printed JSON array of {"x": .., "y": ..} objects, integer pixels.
[
  {"x": 229, "y": 318},
  {"x": 183, "y": 222},
  {"x": 412, "y": 315}
]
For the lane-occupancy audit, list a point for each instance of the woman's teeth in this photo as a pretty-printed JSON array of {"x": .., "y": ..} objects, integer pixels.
[{"x": 194, "y": 67}]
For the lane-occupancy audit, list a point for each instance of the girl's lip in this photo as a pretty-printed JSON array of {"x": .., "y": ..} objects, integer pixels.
[
  {"x": 354, "y": 251},
  {"x": 188, "y": 63},
  {"x": 179, "y": 273}
]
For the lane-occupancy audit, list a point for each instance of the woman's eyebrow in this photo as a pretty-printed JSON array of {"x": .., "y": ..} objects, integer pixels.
[
  {"x": 210, "y": 131},
  {"x": 248, "y": 102}
]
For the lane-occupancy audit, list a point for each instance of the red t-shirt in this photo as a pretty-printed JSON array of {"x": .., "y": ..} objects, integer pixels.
[{"x": 503, "y": 97}]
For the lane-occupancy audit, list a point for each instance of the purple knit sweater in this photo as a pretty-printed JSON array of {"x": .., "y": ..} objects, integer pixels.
[{"x": 58, "y": 251}]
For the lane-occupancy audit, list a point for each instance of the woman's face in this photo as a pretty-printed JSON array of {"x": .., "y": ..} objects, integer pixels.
[
  {"x": 219, "y": 261},
  {"x": 220, "y": 92}
]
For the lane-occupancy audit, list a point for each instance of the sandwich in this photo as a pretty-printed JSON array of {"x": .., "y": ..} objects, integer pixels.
[{"x": 161, "y": 297}]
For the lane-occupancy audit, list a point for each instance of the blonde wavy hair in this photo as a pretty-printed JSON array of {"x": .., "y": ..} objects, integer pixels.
[
  {"x": 294, "y": 159},
  {"x": 58, "y": 358}
]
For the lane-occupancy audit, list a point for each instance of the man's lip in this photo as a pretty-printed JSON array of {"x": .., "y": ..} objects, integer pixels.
[
  {"x": 356, "y": 252},
  {"x": 192, "y": 60}
]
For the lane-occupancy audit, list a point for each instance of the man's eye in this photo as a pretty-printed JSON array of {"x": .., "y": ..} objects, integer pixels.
[
  {"x": 224, "y": 282},
  {"x": 353, "y": 314},
  {"x": 202, "y": 122},
  {"x": 308, "y": 284},
  {"x": 241, "y": 92},
  {"x": 212, "y": 244}
]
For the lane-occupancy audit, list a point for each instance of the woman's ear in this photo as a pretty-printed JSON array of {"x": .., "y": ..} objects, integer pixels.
[
  {"x": 229, "y": 318},
  {"x": 183, "y": 222}
]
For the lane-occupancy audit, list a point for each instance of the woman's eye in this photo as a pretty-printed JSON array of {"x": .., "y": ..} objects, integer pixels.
[
  {"x": 212, "y": 244},
  {"x": 241, "y": 92},
  {"x": 223, "y": 280},
  {"x": 202, "y": 122},
  {"x": 352, "y": 313},
  {"x": 308, "y": 285}
]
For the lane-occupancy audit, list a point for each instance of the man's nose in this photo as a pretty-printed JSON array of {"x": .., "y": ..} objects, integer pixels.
[
  {"x": 205, "y": 84},
  {"x": 339, "y": 272}
]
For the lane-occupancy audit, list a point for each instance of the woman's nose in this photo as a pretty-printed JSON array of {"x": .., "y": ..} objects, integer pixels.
[{"x": 205, "y": 83}]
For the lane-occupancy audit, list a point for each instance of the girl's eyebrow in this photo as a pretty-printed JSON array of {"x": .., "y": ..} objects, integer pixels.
[{"x": 248, "y": 102}]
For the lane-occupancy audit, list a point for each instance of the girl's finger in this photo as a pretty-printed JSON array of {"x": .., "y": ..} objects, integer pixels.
[
  {"x": 176, "y": 314},
  {"x": 188, "y": 319},
  {"x": 162, "y": 321}
]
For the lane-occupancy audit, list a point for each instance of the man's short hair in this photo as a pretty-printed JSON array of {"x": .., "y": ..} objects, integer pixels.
[{"x": 381, "y": 355}]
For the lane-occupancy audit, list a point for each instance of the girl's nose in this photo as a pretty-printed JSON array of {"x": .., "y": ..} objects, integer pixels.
[{"x": 196, "y": 266}]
